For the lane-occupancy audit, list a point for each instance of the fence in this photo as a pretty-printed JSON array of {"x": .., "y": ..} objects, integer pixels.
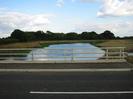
[{"x": 83, "y": 54}]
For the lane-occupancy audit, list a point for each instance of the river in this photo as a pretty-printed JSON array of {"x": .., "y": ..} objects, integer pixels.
[{"x": 75, "y": 51}]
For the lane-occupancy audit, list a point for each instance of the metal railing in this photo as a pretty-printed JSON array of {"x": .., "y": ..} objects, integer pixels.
[{"x": 83, "y": 54}]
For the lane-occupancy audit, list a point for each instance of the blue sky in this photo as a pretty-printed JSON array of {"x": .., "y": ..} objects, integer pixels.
[{"x": 67, "y": 16}]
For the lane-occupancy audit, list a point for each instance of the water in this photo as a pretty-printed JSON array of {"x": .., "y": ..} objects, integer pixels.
[
  {"x": 76, "y": 51},
  {"x": 130, "y": 54}
]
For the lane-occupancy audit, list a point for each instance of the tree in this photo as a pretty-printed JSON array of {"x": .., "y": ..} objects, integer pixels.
[
  {"x": 88, "y": 35},
  {"x": 93, "y": 35},
  {"x": 107, "y": 35},
  {"x": 40, "y": 35},
  {"x": 18, "y": 34},
  {"x": 84, "y": 35},
  {"x": 22, "y": 36},
  {"x": 72, "y": 36}
]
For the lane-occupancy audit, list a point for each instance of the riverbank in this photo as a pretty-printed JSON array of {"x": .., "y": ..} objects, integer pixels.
[
  {"x": 40, "y": 44},
  {"x": 128, "y": 44}
]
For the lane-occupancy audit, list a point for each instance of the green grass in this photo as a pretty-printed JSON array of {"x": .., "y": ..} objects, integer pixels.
[
  {"x": 14, "y": 53},
  {"x": 128, "y": 44},
  {"x": 93, "y": 42},
  {"x": 96, "y": 42},
  {"x": 130, "y": 59}
]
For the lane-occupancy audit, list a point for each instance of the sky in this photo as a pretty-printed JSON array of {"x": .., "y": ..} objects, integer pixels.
[{"x": 67, "y": 16}]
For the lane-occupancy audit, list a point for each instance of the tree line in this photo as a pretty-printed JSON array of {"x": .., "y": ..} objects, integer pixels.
[{"x": 25, "y": 36}]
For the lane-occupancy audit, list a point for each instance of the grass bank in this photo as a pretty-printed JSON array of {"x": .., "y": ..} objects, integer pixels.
[
  {"x": 130, "y": 59},
  {"x": 128, "y": 44},
  {"x": 40, "y": 44},
  {"x": 101, "y": 43}
]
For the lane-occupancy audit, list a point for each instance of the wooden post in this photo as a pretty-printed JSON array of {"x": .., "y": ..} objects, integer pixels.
[
  {"x": 72, "y": 55},
  {"x": 65, "y": 51},
  {"x": 120, "y": 53},
  {"x": 107, "y": 53},
  {"x": 123, "y": 53},
  {"x": 32, "y": 55}
]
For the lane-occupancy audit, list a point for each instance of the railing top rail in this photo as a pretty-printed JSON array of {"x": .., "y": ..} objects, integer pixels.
[
  {"x": 17, "y": 49},
  {"x": 61, "y": 48},
  {"x": 113, "y": 47}
]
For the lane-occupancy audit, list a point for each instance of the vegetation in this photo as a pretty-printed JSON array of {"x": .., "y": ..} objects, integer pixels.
[
  {"x": 130, "y": 59},
  {"x": 24, "y": 39},
  {"x": 24, "y": 36},
  {"x": 127, "y": 43},
  {"x": 40, "y": 44}
]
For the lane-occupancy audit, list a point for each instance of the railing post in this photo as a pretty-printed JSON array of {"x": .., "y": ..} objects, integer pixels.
[
  {"x": 120, "y": 53},
  {"x": 123, "y": 53},
  {"x": 107, "y": 53},
  {"x": 32, "y": 56},
  {"x": 64, "y": 54},
  {"x": 72, "y": 55}
]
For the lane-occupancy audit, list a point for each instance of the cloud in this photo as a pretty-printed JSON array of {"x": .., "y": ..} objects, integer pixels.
[
  {"x": 60, "y": 3},
  {"x": 10, "y": 20},
  {"x": 118, "y": 28},
  {"x": 116, "y": 8}
]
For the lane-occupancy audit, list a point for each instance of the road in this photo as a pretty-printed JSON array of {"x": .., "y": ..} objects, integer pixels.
[
  {"x": 19, "y": 85},
  {"x": 66, "y": 85}
]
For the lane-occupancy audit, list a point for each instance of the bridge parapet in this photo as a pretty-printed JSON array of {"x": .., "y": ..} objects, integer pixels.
[{"x": 60, "y": 55}]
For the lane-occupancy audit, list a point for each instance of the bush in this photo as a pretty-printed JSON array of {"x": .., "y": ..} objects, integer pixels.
[{"x": 7, "y": 41}]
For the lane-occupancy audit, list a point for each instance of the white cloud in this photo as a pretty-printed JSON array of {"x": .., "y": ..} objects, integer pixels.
[
  {"x": 116, "y": 8},
  {"x": 10, "y": 20},
  {"x": 118, "y": 28},
  {"x": 60, "y": 3}
]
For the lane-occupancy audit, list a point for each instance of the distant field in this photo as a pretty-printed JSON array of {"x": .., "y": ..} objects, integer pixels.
[
  {"x": 102, "y": 43},
  {"x": 40, "y": 44}
]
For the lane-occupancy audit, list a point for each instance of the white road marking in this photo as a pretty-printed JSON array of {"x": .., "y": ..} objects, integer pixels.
[
  {"x": 67, "y": 70},
  {"x": 64, "y": 70},
  {"x": 77, "y": 93}
]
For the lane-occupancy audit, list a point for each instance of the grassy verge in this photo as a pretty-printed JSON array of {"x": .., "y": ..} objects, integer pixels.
[
  {"x": 40, "y": 44},
  {"x": 34, "y": 44},
  {"x": 130, "y": 59},
  {"x": 12, "y": 53},
  {"x": 47, "y": 43},
  {"x": 128, "y": 44}
]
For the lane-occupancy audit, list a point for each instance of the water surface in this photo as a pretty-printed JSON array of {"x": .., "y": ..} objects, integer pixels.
[{"x": 75, "y": 51}]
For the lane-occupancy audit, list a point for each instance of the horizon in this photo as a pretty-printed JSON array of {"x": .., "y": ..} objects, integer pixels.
[{"x": 67, "y": 16}]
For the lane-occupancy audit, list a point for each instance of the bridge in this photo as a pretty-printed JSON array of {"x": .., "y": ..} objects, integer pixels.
[
  {"x": 84, "y": 55},
  {"x": 72, "y": 77}
]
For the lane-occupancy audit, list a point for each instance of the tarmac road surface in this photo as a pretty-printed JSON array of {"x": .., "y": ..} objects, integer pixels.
[
  {"x": 66, "y": 85},
  {"x": 111, "y": 85}
]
